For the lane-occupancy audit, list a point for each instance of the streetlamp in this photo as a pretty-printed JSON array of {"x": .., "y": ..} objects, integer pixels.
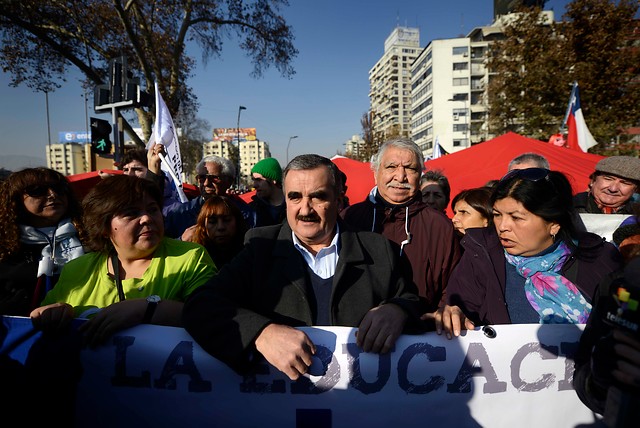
[
  {"x": 467, "y": 130},
  {"x": 238, "y": 173},
  {"x": 288, "y": 144}
]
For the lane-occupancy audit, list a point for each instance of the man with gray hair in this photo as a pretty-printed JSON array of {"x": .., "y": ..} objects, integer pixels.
[
  {"x": 395, "y": 209},
  {"x": 529, "y": 160},
  {"x": 215, "y": 176},
  {"x": 311, "y": 269}
]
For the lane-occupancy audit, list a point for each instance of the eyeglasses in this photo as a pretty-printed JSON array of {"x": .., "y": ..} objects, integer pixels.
[
  {"x": 529, "y": 174},
  {"x": 204, "y": 177},
  {"x": 42, "y": 190}
]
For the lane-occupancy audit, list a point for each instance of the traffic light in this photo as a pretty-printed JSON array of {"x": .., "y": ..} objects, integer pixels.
[{"x": 100, "y": 133}]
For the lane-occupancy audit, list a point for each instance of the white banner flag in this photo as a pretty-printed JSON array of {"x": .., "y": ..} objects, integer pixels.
[{"x": 164, "y": 132}]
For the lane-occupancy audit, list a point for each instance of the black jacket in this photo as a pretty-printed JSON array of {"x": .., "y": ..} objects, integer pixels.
[{"x": 268, "y": 283}]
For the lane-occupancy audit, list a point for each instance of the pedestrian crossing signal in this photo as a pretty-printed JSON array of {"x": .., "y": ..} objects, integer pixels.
[{"x": 100, "y": 136}]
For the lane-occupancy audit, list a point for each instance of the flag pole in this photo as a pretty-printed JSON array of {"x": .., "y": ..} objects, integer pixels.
[{"x": 563, "y": 127}]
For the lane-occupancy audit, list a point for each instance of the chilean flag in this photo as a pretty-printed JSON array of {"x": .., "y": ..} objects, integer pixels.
[{"x": 579, "y": 137}]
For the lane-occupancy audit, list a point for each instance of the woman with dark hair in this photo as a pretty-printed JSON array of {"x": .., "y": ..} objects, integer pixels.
[
  {"x": 220, "y": 228},
  {"x": 532, "y": 266},
  {"x": 135, "y": 275},
  {"x": 472, "y": 208},
  {"x": 41, "y": 231}
]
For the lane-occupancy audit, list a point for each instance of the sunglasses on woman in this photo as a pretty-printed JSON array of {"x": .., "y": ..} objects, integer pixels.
[
  {"x": 42, "y": 190},
  {"x": 529, "y": 174}
]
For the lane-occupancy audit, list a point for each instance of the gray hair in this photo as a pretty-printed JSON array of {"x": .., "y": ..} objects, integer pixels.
[
  {"x": 538, "y": 160},
  {"x": 312, "y": 161},
  {"x": 403, "y": 143},
  {"x": 228, "y": 168}
]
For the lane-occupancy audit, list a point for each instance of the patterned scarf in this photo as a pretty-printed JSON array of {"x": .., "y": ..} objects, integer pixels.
[{"x": 554, "y": 297}]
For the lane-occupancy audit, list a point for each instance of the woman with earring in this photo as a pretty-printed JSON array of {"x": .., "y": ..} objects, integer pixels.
[
  {"x": 532, "y": 266},
  {"x": 41, "y": 231}
]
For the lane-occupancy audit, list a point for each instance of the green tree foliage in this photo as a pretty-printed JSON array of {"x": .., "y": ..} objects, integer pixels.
[
  {"x": 537, "y": 61},
  {"x": 42, "y": 39}
]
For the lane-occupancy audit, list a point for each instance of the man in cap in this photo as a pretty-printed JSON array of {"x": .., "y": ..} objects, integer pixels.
[
  {"x": 268, "y": 202},
  {"x": 612, "y": 187}
]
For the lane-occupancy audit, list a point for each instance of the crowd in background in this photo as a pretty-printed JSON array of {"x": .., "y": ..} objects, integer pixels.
[{"x": 241, "y": 275}]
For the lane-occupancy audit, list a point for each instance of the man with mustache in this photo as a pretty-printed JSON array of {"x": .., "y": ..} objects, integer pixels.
[
  {"x": 395, "y": 209},
  {"x": 312, "y": 269}
]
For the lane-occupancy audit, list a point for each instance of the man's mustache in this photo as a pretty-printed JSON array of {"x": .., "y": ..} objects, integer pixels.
[
  {"x": 398, "y": 184},
  {"x": 310, "y": 218}
]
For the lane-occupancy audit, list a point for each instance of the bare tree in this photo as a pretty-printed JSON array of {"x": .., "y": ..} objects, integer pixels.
[{"x": 42, "y": 39}]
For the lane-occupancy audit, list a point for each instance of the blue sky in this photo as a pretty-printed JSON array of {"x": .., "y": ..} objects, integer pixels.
[{"x": 338, "y": 41}]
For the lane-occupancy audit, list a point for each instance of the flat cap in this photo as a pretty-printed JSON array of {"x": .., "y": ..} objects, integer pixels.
[{"x": 622, "y": 166}]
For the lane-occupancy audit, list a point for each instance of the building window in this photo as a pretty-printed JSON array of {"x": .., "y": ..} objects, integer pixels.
[
  {"x": 460, "y": 65},
  {"x": 460, "y": 81},
  {"x": 460, "y": 50}
]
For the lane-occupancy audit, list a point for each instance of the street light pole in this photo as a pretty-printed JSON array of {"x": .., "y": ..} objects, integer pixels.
[
  {"x": 288, "y": 144},
  {"x": 240, "y": 108}
]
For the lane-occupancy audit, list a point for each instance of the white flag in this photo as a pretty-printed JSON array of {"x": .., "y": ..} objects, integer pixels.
[
  {"x": 164, "y": 132},
  {"x": 437, "y": 150}
]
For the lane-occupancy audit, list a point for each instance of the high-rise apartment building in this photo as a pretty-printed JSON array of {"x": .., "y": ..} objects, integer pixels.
[
  {"x": 390, "y": 83},
  {"x": 447, "y": 91}
]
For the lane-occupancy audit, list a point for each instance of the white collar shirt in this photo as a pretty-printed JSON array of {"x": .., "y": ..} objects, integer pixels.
[{"x": 325, "y": 261}]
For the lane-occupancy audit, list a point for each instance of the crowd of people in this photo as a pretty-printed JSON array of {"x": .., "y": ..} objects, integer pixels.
[{"x": 241, "y": 276}]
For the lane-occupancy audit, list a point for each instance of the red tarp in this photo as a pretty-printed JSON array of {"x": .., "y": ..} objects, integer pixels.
[
  {"x": 82, "y": 183},
  {"x": 360, "y": 179},
  {"x": 465, "y": 169},
  {"x": 474, "y": 166}
]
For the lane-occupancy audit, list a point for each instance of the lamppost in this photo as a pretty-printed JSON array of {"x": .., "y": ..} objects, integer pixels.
[
  {"x": 467, "y": 122},
  {"x": 238, "y": 173},
  {"x": 288, "y": 144}
]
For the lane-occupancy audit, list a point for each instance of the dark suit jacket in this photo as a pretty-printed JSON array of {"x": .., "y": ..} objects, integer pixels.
[{"x": 268, "y": 283}]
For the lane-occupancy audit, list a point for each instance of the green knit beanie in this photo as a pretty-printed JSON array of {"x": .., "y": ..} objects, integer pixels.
[{"x": 268, "y": 168}]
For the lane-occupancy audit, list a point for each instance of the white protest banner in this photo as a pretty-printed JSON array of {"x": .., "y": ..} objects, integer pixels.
[
  {"x": 158, "y": 376},
  {"x": 603, "y": 224}
]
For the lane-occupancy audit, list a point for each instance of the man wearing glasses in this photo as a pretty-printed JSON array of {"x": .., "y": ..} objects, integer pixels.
[{"x": 215, "y": 176}]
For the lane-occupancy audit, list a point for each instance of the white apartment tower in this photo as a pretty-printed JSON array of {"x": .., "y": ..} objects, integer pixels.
[
  {"x": 440, "y": 96},
  {"x": 390, "y": 83}
]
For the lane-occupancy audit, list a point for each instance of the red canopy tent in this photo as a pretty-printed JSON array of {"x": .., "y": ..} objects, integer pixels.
[
  {"x": 475, "y": 166},
  {"x": 360, "y": 179}
]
